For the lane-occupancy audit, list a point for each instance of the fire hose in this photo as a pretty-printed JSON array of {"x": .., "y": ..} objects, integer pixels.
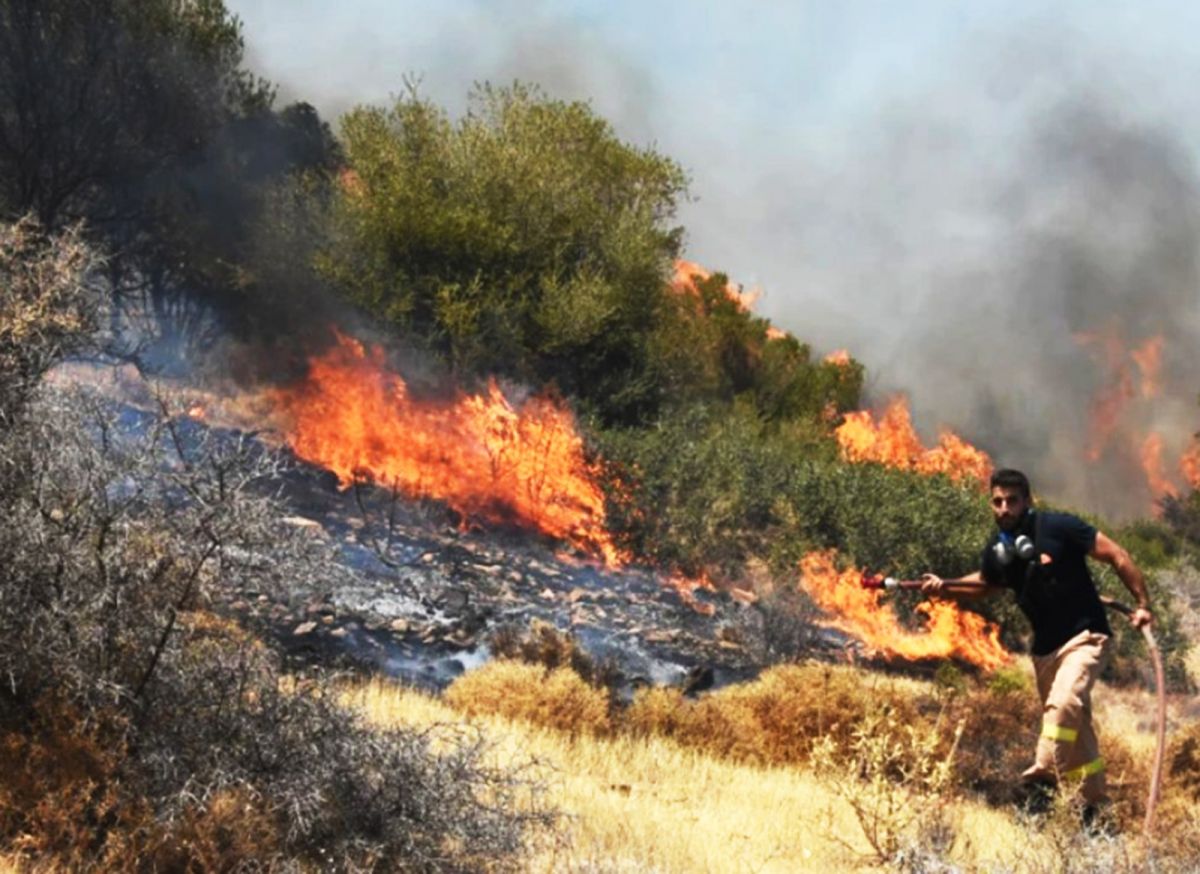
[{"x": 872, "y": 581}]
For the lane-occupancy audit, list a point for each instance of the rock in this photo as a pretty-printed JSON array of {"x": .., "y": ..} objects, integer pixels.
[
  {"x": 662, "y": 635},
  {"x": 399, "y": 626},
  {"x": 304, "y": 628},
  {"x": 453, "y": 601},
  {"x": 319, "y": 609},
  {"x": 339, "y": 633},
  {"x": 577, "y": 594},
  {"x": 301, "y": 522},
  {"x": 546, "y": 594}
]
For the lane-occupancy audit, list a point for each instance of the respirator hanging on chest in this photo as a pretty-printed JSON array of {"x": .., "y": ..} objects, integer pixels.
[{"x": 1008, "y": 548}]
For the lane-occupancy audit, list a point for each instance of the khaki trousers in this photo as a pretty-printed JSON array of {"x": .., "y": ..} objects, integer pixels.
[{"x": 1067, "y": 750}]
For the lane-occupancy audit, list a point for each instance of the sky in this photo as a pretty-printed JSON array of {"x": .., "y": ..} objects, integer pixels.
[{"x": 964, "y": 195}]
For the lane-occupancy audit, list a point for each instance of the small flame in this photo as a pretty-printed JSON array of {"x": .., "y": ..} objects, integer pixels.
[
  {"x": 1189, "y": 464},
  {"x": 838, "y": 356},
  {"x": 1152, "y": 463},
  {"x": 685, "y": 282},
  {"x": 893, "y": 441},
  {"x": 860, "y": 612},
  {"x": 1120, "y": 386},
  {"x": 687, "y": 586},
  {"x": 486, "y": 459},
  {"x": 1148, "y": 358}
]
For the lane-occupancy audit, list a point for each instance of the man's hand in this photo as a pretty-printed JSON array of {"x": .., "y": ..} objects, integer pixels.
[
  {"x": 931, "y": 584},
  {"x": 1141, "y": 617}
]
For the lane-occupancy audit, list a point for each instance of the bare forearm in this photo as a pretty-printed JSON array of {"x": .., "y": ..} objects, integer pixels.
[
  {"x": 970, "y": 586},
  {"x": 1133, "y": 579}
]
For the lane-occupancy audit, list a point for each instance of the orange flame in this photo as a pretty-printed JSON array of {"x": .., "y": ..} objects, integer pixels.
[
  {"x": 1152, "y": 463},
  {"x": 486, "y": 459},
  {"x": 1189, "y": 464},
  {"x": 894, "y": 442},
  {"x": 949, "y": 631},
  {"x": 685, "y": 281},
  {"x": 838, "y": 356},
  {"x": 1111, "y": 401},
  {"x": 687, "y": 586},
  {"x": 1148, "y": 358}
]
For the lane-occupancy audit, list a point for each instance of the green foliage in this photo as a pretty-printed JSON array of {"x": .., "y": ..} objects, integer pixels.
[
  {"x": 1152, "y": 543},
  {"x": 711, "y": 349},
  {"x": 711, "y": 488},
  {"x": 1130, "y": 662},
  {"x": 524, "y": 239}
]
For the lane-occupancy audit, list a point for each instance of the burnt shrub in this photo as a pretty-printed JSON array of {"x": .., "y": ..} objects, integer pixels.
[
  {"x": 117, "y": 541},
  {"x": 140, "y": 730},
  {"x": 540, "y": 643},
  {"x": 48, "y": 307}
]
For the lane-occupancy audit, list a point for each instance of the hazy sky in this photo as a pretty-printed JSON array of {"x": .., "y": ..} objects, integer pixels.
[{"x": 911, "y": 180}]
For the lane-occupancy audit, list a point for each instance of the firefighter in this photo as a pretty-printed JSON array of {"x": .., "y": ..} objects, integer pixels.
[{"x": 1041, "y": 557}]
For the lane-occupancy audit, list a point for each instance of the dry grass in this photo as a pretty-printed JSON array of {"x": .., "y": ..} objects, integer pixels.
[
  {"x": 649, "y": 804},
  {"x": 558, "y": 698}
]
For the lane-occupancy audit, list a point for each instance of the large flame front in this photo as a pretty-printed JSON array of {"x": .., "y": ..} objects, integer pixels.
[
  {"x": 479, "y": 454},
  {"x": 893, "y": 441},
  {"x": 862, "y": 613}
]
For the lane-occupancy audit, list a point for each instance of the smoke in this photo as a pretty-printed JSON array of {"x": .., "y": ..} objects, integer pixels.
[
  {"x": 999, "y": 249},
  {"x": 992, "y": 223}
]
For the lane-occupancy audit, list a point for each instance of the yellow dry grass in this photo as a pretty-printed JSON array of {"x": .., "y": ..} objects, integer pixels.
[{"x": 647, "y": 804}]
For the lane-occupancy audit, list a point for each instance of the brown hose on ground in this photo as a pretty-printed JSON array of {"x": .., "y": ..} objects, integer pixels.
[{"x": 1160, "y": 749}]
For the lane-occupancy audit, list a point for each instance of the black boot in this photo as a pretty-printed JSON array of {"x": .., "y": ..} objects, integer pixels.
[
  {"x": 1097, "y": 819},
  {"x": 1035, "y": 797}
]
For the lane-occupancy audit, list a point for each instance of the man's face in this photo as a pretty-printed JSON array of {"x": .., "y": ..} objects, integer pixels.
[{"x": 1008, "y": 505}]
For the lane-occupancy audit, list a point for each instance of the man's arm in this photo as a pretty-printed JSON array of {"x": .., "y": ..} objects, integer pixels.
[
  {"x": 1110, "y": 552},
  {"x": 973, "y": 586}
]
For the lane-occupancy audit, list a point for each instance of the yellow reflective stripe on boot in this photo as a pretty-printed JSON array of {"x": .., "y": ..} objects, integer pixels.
[
  {"x": 1095, "y": 766},
  {"x": 1059, "y": 732}
]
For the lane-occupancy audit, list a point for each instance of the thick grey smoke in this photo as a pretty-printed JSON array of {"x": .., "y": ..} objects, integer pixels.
[
  {"x": 999, "y": 249},
  {"x": 963, "y": 231}
]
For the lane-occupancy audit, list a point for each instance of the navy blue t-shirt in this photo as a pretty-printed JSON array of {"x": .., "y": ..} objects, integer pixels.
[{"x": 1055, "y": 589}]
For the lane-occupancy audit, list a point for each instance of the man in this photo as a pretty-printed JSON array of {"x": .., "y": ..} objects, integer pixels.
[{"x": 1041, "y": 557}]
